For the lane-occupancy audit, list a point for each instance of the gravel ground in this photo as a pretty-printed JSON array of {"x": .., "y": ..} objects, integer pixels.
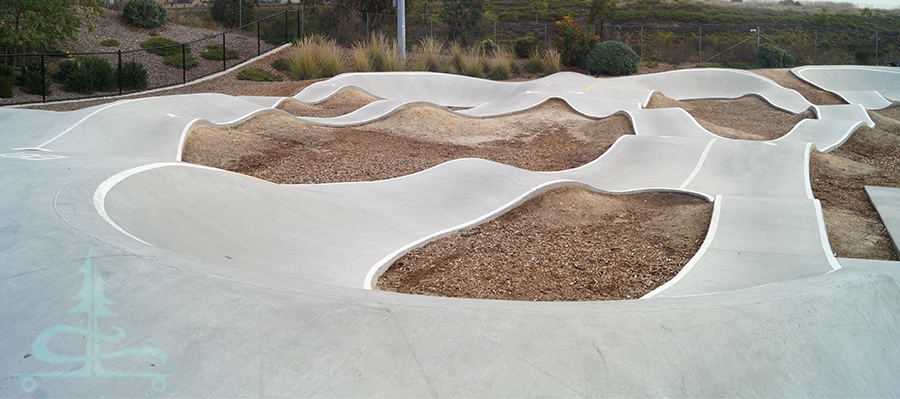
[{"x": 566, "y": 244}]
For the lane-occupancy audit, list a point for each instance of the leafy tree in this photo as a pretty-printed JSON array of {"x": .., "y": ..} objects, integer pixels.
[
  {"x": 866, "y": 13},
  {"x": 367, "y": 6},
  {"x": 462, "y": 15},
  {"x": 38, "y": 25},
  {"x": 539, "y": 6},
  {"x": 226, "y": 12},
  {"x": 602, "y": 11}
]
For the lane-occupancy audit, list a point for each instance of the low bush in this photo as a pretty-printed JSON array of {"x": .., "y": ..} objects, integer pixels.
[
  {"x": 144, "y": 13},
  {"x": 63, "y": 70},
  {"x": 6, "y": 70},
  {"x": 6, "y": 87},
  {"x": 535, "y": 63},
  {"x": 526, "y": 45},
  {"x": 552, "y": 62},
  {"x": 110, "y": 43},
  {"x": 382, "y": 53},
  {"x": 215, "y": 52},
  {"x": 486, "y": 48},
  {"x": 770, "y": 56},
  {"x": 612, "y": 58},
  {"x": 280, "y": 64},
  {"x": 163, "y": 46},
  {"x": 92, "y": 74},
  {"x": 24, "y": 68},
  {"x": 181, "y": 61},
  {"x": 134, "y": 76},
  {"x": 258, "y": 75},
  {"x": 427, "y": 55}
]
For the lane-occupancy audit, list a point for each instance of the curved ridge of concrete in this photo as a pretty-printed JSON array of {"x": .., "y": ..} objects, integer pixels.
[
  {"x": 872, "y": 87},
  {"x": 232, "y": 259}
]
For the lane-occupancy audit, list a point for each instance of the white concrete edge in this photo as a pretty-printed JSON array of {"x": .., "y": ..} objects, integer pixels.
[
  {"x": 85, "y": 118},
  {"x": 99, "y": 197},
  {"x": 379, "y": 267},
  {"x": 843, "y": 138},
  {"x": 806, "y": 177},
  {"x": 699, "y": 164},
  {"x": 196, "y": 122},
  {"x": 798, "y": 71},
  {"x": 108, "y": 184},
  {"x": 707, "y": 242},
  {"x": 823, "y": 235},
  {"x": 869, "y": 122}
]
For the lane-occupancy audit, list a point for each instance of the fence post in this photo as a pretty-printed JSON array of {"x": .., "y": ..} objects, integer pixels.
[
  {"x": 642, "y": 43},
  {"x": 258, "y": 44},
  {"x": 701, "y": 44},
  {"x": 183, "y": 65},
  {"x": 432, "y": 28},
  {"x": 223, "y": 52},
  {"x": 816, "y": 56},
  {"x": 495, "y": 32},
  {"x": 545, "y": 36},
  {"x": 43, "y": 80},
  {"x": 876, "y": 48},
  {"x": 285, "y": 28},
  {"x": 367, "y": 25},
  {"x": 120, "y": 71}
]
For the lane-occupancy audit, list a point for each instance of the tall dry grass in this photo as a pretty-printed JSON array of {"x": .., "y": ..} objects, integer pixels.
[{"x": 314, "y": 57}]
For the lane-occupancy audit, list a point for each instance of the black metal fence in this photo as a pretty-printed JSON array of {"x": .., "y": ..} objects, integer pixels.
[
  {"x": 245, "y": 42},
  {"x": 731, "y": 45}
]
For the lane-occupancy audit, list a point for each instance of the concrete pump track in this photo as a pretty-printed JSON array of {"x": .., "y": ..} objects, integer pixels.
[{"x": 181, "y": 280}]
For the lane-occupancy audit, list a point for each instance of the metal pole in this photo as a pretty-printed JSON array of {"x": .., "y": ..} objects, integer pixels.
[
  {"x": 183, "y": 65},
  {"x": 285, "y": 28},
  {"x": 258, "y": 48},
  {"x": 816, "y": 59},
  {"x": 120, "y": 71},
  {"x": 401, "y": 30},
  {"x": 223, "y": 51},
  {"x": 432, "y": 28},
  {"x": 876, "y": 48},
  {"x": 43, "y": 80},
  {"x": 367, "y": 25},
  {"x": 240, "y": 12},
  {"x": 303, "y": 20},
  {"x": 757, "y": 38},
  {"x": 298, "y": 23},
  {"x": 701, "y": 43},
  {"x": 642, "y": 43},
  {"x": 495, "y": 32},
  {"x": 545, "y": 35}
]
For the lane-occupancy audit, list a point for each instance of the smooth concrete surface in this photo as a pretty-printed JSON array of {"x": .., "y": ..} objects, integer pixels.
[
  {"x": 128, "y": 273},
  {"x": 870, "y": 86},
  {"x": 886, "y": 201}
]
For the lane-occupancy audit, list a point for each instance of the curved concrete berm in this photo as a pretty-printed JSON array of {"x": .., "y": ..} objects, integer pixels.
[
  {"x": 128, "y": 273},
  {"x": 872, "y": 87}
]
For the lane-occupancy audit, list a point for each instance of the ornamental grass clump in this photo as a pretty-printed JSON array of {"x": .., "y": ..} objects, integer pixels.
[
  {"x": 612, "y": 58},
  {"x": 427, "y": 55},
  {"x": 314, "y": 57}
]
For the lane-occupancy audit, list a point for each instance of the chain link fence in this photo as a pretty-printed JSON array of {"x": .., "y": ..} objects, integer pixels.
[{"x": 733, "y": 45}]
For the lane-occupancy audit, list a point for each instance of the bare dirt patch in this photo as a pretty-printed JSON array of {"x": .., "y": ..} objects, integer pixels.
[
  {"x": 871, "y": 157},
  {"x": 567, "y": 244},
  {"x": 285, "y": 150},
  {"x": 746, "y": 118},
  {"x": 786, "y": 78}
]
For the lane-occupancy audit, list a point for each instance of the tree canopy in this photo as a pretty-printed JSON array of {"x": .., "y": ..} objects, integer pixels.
[
  {"x": 28, "y": 26},
  {"x": 601, "y": 11},
  {"x": 461, "y": 15}
]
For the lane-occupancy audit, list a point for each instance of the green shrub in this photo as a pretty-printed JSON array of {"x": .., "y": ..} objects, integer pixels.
[
  {"x": 24, "y": 68},
  {"x": 612, "y": 58},
  {"x": 571, "y": 43},
  {"x": 535, "y": 64},
  {"x": 227, "y": 14},
  {"x": 258, "y": 75},
  {"x": 6, "y": 70},
  {"x": 92, "y": 74},
  {"x": 770, "y": 56},
  {"x": 134, "y": 76},
  {"x": 181, "y": 61},
  {"x": 6, "y": 87},
  {"x": 159, "y": 41},
  {"x": 280, "y": 64},
  {"x": 526, "y": 45},
  {"x": 63, "y": 70},
  {"x": 500, "y": 71},
  {"x": 110, "y": 43},
  {"x": 144, "y": 13},
  {"x": 214, "y": 52}
]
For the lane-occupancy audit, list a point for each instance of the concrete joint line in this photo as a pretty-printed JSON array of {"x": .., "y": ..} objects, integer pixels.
[{"x": 699, "y": 164}]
